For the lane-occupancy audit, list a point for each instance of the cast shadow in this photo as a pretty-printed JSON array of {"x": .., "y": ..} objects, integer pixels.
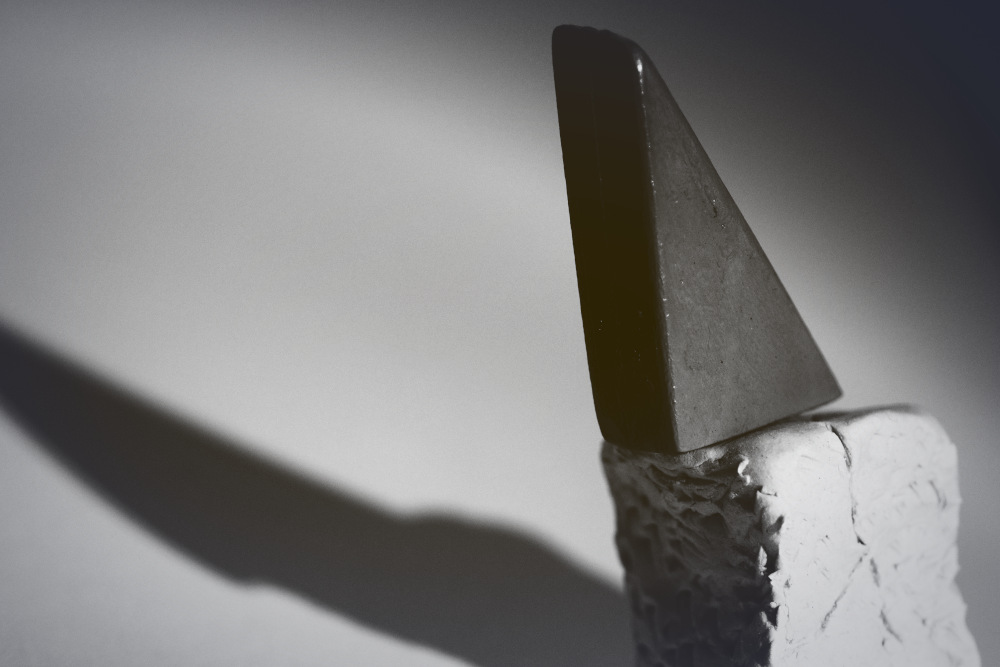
[{"x": 490, "y": 596}]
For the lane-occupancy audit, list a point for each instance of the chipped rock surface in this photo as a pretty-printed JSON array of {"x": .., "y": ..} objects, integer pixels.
[{"x": 823, "y": 542}]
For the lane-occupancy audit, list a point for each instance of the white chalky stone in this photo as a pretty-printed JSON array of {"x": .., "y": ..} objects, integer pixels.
[{"x": 825, "y": 542}]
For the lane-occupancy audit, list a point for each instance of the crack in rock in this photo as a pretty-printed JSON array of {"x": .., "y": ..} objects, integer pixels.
[
  {"x": 850, "y": 483},
  {"x": 847, "y": 586}
]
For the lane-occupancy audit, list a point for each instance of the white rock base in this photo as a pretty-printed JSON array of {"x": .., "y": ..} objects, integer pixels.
[{"x": 828, "y": 542}]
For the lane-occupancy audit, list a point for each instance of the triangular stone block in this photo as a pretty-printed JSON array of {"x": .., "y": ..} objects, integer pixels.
[{"x": 691, "y": 338}]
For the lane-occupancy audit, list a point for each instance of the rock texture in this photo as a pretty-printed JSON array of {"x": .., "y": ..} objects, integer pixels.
[{"x": 824, "y": 542}]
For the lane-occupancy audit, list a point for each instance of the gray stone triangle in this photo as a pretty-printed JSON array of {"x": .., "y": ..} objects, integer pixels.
[{"x": 691, "y": 338}]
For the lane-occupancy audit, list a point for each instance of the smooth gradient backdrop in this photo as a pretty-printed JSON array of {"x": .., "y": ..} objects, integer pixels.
[{"x": 318, "y": 253}]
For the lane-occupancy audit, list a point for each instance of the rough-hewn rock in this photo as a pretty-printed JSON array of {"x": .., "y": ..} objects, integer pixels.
[{"x": 824, "y": 542}]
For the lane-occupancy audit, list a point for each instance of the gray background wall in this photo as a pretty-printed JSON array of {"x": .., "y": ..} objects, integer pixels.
[{"x": 326, "y": 247}]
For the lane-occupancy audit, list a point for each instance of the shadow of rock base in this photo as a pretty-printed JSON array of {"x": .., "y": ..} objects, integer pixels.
[{"x": 490, "y": 596}]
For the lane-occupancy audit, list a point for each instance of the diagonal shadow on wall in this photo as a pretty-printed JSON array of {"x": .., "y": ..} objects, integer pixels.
[{"x": 488, "y": 595}]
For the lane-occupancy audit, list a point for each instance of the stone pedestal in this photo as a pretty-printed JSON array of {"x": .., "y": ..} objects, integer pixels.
[{"x": 823, "y": 542}]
